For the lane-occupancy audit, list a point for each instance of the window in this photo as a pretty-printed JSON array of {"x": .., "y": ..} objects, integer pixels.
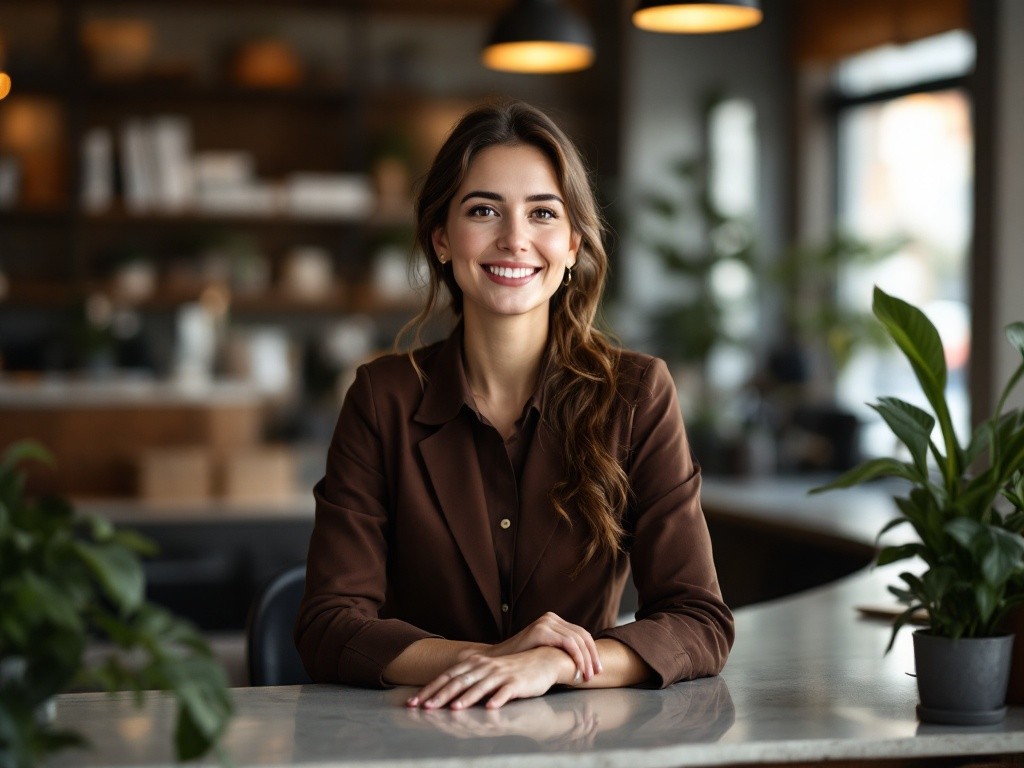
[{"x": 904, "y": 170}]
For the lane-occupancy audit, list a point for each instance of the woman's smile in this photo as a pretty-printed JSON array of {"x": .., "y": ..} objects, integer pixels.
[{"x": 510, "y": 274}]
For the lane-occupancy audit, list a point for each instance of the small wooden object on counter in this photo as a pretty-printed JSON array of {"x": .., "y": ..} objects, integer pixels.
[
  {"x": 258, "y": 475},
  {"x": 175, "y": 474}
]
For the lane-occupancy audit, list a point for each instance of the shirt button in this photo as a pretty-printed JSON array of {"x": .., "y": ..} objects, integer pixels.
[
  {"x": 505, "y": 523},
  {"x": 504, "y": 607}
]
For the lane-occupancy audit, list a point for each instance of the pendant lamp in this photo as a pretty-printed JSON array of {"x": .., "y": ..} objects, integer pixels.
[
  {"x": 539, "y": 36},
  {"x": 697, "y": 17}
]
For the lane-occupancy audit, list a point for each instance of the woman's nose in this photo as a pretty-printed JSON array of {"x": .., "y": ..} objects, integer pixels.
[{"x": 513, "y": 235}]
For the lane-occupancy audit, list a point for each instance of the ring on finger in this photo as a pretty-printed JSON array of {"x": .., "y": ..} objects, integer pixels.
[{"x": 468, "y": 679}]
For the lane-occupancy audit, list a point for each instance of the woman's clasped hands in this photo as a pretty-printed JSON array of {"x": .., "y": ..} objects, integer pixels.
[{"x": 550, "y": 651}]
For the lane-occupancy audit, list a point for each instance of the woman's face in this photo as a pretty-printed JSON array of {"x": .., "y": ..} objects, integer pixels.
[{"x": 508, "y": 234}]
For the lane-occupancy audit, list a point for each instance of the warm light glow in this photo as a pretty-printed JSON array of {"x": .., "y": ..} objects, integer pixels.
[
  {"x": 5, "y": 84},
  {"x": 696, "y": 18},
  {"x": 536, "y": 57}
]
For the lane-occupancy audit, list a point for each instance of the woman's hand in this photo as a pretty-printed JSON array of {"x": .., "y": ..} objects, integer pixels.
[
  {"x": 554, "y": 631},
  {"x": 498, "y": 679}
]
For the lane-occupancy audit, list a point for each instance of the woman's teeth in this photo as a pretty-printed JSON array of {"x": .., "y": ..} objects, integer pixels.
[{"x": 512, "y": 272}]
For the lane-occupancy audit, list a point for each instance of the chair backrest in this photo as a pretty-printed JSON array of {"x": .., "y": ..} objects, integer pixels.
[{"x": 273, "y": 659}]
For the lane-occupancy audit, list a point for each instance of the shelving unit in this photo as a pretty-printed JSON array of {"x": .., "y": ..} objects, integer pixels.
[{"x": 360, "y": 87}]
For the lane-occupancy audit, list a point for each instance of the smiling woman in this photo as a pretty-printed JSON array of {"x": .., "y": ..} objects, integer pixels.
[{"x": 486, "y": 497}]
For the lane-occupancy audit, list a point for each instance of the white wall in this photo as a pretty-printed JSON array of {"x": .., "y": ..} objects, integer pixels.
[{"x": 1008, "y": 267}]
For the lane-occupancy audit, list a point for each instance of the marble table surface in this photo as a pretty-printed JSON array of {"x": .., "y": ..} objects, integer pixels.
[{"x": 807, "y": 681}]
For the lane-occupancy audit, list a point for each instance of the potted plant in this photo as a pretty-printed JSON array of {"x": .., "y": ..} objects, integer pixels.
[
  {"x": 67, "y": 580},
  {"x": 965, "y": 505}
]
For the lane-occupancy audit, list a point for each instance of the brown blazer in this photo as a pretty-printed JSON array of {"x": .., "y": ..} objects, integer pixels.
[{"x": 401, "y": 549}]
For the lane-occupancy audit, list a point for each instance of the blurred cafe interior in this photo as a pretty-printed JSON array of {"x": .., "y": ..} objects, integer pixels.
[{"x": 206, "y": 226}]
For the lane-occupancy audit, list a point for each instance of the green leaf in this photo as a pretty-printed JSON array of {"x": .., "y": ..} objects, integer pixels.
[
  {"x": 912, "y": 425},
  {"x": 869, "y": 470},
  {"x": 920, "y": 343},
  {"x": 901, "y": 620},
  {"x": 204, "y": 708},
  {"x": 46, "y": 602},
  {"x": 1015, "y": 335},
  {"x": 889, "y": 526},
  {"x": 917, "y": 338},
  {"x": 979, "y": 441},
  {"x": 987, "y": 601},
  {"x": 118, "y": 571},
  {"x": 135, "y": 541},
  {"x": 893, "y": 554},
  {"x": 1004, "y": 558},
  {"x": 965, "y": 530},
  {"x": 22, "y": 451}
]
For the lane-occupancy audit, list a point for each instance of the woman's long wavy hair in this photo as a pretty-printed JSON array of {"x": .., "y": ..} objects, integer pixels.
[{"x": 581, "y": 392}]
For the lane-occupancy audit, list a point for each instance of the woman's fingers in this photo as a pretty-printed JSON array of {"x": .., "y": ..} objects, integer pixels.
[
  {"x": 431, "y": 690},
  {"x": 521, "y": 675},
  {"x": 450, "y": 684},
  {"x": 476, "y": 692}
]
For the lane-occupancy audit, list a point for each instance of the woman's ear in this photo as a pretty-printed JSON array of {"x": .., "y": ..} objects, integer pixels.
[
  {"x": 575, "y": 241},
  {"x": 439, "y": 239}
]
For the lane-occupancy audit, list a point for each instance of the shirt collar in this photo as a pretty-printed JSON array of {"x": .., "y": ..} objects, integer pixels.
[{"x": 447, "y": 387}]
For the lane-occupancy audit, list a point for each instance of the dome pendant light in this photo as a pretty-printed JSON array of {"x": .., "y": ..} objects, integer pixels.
[
  {"x": 539, "y": 36},
  {"x": 690, "y": 16}
]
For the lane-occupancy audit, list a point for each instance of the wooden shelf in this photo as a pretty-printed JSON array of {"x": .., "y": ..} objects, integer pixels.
[
  {"x": 52, "y": 294},
  {"x": 164, "y": 90},
  {"x": 40, "y": 294},
  {"x": 34, "y": 217},
  {"x": 121, "y": 218}
]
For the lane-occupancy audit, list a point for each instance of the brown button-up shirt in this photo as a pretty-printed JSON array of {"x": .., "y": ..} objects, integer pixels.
[{"x": 501, "y": 467}]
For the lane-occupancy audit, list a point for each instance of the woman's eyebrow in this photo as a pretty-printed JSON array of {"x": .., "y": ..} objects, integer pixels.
[{"x": 543, "y": 197}]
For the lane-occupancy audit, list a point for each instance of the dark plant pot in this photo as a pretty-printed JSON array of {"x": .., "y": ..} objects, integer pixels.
[
  {"x": 1015, "y": 690},
  {"x": 962, "y": 682}
]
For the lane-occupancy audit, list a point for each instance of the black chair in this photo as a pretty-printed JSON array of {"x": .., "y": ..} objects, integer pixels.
[{"x": 273, "y": 659}]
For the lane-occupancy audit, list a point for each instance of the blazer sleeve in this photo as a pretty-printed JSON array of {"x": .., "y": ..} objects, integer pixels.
[
  {"x": 683, "y": 629},
  {"x": 338, "y": 631}
]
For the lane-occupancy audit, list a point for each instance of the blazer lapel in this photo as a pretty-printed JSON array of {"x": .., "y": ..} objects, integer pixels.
[
  {"x": 450, "y": 456},
  {"x": 537, "y": 517},
  {"x": 454, "y": 469}
]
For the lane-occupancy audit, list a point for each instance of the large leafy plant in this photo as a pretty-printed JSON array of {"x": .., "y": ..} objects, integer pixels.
[
  {"x": 966, "y": 502},
  {"x": 66, "y": 580}
]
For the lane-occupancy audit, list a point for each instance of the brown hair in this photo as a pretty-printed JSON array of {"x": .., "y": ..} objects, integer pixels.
[{"x": 582, "y": 389}]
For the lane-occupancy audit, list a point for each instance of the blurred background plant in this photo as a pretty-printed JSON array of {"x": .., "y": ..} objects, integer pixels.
[{"x": 807, "y": 275}]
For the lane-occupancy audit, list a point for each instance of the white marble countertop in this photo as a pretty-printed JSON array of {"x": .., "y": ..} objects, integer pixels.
[{"x": 807, "y": 681}]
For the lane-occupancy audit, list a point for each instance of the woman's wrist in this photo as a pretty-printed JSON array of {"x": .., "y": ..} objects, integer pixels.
[
  {"x": 564, "y": 666},
  {"x": 468, "y": 649}
]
